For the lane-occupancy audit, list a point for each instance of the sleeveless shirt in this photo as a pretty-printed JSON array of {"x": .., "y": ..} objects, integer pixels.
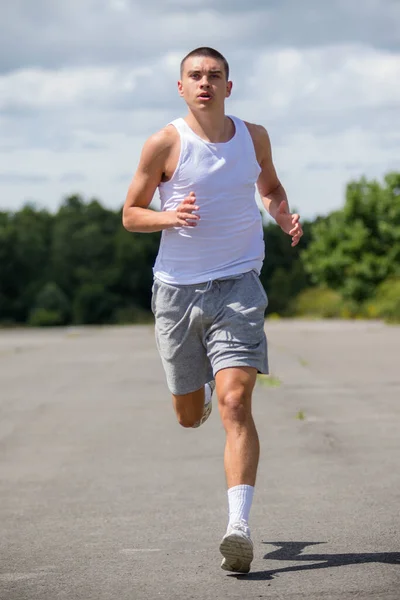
[{"x": 228, "y": 238}]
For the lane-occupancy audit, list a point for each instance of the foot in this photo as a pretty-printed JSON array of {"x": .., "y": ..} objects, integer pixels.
[
  {"x": 208, "y": 392},
  {"x": 237, "y": 548}
]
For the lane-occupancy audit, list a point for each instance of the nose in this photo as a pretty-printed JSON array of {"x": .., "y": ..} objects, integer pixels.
[{"x": 204, "y": 82}]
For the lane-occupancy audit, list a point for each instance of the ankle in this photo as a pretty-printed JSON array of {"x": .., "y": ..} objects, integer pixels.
[{"x": 240, "y": 499}]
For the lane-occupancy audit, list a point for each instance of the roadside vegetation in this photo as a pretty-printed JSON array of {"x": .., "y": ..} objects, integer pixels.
[{"x": 79, "y": 266}]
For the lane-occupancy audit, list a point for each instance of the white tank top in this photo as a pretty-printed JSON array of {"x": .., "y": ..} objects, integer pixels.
[{"x": 228, "y": 239}]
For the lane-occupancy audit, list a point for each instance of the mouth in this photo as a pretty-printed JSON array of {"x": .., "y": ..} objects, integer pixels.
[{"x": 205, "y": 96}]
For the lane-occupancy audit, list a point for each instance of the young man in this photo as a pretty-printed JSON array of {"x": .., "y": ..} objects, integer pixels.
[{"x": 207, "y": 300}]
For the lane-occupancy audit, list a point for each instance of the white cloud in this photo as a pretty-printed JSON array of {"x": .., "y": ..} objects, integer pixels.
[
  {"x": 323, "y": 80},
  {"x": 331, "y": 107},
  {"x": 99, "y": 32},
  {"x": 315, "y": 169},
  {"x": 94, "y": 78},
  {"x": 289, "y": 82},
  {"x": 59, "y": 89},
  {"x": 119, "y": 5}
]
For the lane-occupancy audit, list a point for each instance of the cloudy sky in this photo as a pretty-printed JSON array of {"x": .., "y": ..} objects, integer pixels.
[{"x": 83, "y": 83}]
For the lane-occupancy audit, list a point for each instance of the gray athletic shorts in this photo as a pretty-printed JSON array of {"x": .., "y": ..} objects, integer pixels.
[{"x": 205, "y": 327}]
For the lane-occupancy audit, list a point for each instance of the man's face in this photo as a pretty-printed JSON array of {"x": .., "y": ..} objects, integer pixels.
[{"x": 203, "y": 84}]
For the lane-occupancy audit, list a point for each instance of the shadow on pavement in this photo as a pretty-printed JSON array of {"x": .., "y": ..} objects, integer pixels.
[{"x": 291, "y": 551}]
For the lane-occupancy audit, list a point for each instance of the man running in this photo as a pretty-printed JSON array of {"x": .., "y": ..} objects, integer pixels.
[{"x": 208, "y": 301}]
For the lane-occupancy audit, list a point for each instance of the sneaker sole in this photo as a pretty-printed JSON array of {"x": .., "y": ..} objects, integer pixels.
[{"x": 238, "y": 553}]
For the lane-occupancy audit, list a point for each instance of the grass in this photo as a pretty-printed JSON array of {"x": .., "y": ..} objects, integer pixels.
[
  {"x": 269, "y": 380},
  {"x": 303, "y": 362},
  {"x": 301, "y": 416}
]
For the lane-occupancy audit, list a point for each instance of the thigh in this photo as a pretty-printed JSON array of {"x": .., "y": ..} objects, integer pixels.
[
  {"x": 237, "y": 337},
  {"x": 178, "y": 331}
]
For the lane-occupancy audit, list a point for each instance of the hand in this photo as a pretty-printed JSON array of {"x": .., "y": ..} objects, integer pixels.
[
  {"x": 185, "y": 216},
  {"x": 289, "y": 223}
]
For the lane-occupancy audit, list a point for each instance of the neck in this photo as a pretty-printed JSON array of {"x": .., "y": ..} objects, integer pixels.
[{"x": 212, "y": 127}]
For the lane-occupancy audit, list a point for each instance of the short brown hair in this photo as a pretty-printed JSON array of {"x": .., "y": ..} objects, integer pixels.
[{"x": 207, "y": 53}]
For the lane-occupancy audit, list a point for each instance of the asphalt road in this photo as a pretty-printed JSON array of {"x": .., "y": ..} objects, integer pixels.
[{"x": 103, "y": 496}]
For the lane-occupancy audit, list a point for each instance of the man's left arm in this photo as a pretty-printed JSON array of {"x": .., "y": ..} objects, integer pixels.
[{"x": 271, "y": 190}]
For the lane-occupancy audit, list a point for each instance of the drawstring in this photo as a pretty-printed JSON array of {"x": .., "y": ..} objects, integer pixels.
[
  {"x": 217, "y": 282},
  {"x": 207, "y": 288}
]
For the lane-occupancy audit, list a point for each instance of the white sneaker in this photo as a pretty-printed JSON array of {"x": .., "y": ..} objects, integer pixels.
[
  {"x": 237, "y": 548},
  {"x": 207, "y": 405}
]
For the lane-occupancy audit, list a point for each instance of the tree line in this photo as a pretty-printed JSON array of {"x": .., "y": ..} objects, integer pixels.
[{"x": 79, "y": 265}]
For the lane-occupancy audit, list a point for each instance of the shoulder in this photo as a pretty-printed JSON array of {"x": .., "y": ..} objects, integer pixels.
[
  {"x": 258, "y": 133},
  {"x": 161, "y": 143},
  {"x": 261, "y": 140}
]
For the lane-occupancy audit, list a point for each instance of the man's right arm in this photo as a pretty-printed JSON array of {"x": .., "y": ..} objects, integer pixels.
[{"x": 136, "y": 216}]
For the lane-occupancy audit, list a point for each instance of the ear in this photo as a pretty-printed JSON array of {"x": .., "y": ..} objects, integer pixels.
[
  {"x": 180, "y": 88},
  {"x": 228, "y": 89}
]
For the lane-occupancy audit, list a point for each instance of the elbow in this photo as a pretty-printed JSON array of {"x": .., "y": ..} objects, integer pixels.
[{"x": 127, "y": 221}]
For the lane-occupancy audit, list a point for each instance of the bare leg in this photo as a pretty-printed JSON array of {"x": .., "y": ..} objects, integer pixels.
[
  {"x": 189, "y": 407},
  {"x": 234, "y": 390}
]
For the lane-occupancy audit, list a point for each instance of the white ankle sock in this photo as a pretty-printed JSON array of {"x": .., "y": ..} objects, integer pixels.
[{"x": 240, "y": 498}]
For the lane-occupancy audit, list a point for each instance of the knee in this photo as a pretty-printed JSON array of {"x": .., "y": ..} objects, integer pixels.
[
  {"x": 189, "y": 408},
  {"x": 185, "y": 420},
  {"x": 234, "y": 407}
]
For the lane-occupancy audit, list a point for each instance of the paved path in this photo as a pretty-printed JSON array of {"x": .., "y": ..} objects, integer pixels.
[{"x": 104, "y": 497}]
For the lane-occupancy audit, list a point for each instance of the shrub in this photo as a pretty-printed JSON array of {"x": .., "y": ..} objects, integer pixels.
[
  {"x": 42, "y": 317},
  {"x": 321, "y": 302},
  {"x": 386, "y": 302},
  {"x": 93, "y": 304},
  {"x": 51, "y": 307},
  {"x": 132, "y": 315}
]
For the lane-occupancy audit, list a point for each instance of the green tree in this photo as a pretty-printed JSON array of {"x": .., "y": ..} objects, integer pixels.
[
  {"x": 52, "y": 307},
  {"x": 24, "y": 250},
  {"x": 83, "y": 244},
  {"x": 135, "y": 255},
  {"x": 355, "y": 249},
  {"x": 283, "y": 274},
  {"x": 93, "y": 304}
]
